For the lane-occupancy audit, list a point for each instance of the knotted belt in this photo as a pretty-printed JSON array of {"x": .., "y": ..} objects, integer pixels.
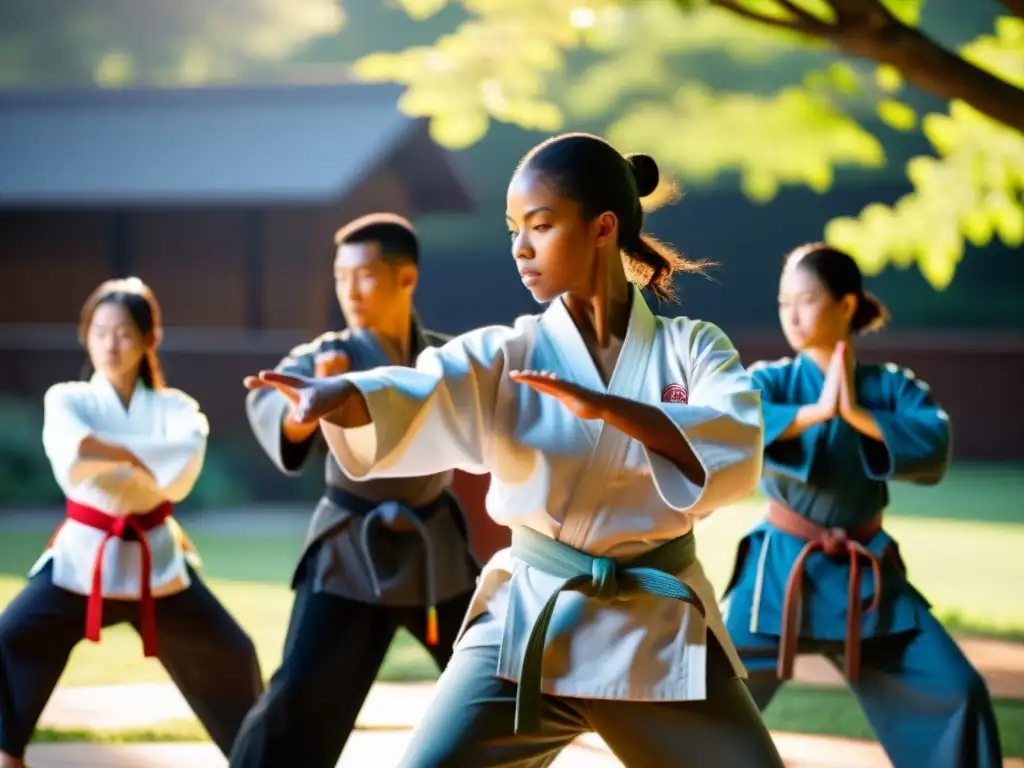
[
  {"x": 121, "y": 527},
  {"x": 600, "y": 577},
  {"x": 836, "y": 543},
  {"x": 397, "y": 516}
]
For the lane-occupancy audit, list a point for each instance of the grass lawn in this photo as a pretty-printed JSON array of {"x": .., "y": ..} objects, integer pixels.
[{"x": 961, "y": 540}]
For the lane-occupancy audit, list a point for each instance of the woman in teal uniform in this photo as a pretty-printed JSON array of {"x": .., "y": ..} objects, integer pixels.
[{"x": 819, "y": 573}]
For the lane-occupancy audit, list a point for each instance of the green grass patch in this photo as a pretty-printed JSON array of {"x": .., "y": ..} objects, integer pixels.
[
  {"x": 835, "y": 712},
  {"x": 961, "y": 540},
  {"x": 802, "y": 709}
]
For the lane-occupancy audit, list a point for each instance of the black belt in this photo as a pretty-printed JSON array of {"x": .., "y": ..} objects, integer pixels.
[
  {"x": 390, "y": 511},
  {"x": 360, "y": 506}
]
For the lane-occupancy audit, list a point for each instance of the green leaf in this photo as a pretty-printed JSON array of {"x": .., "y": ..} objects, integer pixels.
[
  {"x": 897, "y": 114},
  {"x": 422, "y": 9},
  {"x": 380, "y": 67},
  {"x": 1010, "y": 30},
  {"x": 851, "y": 235},
  {"x": 941, "y": 131},
  {"x": 819, "y": 176},
  {"x": 533, "y": 115},
  {"x": 1009, "y": 223},
  {"x": 759, "y": 186},
  {"x": 907, "y": 11},
  {"x": 888, "y": 78},
  {"x": 459, "y": 130},
  {"x": 819, "y": 8},
  {"x": 977, "y": 226},
  {"x": 938, "y": 261},
  {"x": 844, "y": 78}
]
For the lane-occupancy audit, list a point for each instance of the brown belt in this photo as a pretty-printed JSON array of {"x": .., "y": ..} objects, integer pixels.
[{"x": 834, "y": 542}]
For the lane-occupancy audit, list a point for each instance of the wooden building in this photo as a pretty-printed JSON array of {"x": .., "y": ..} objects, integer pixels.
[{"x": 224, "y": 200}]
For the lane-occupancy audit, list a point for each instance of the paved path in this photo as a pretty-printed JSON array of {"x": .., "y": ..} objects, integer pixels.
[
  {"x": 392, "y": 709},
  {"x": 383, "y": 749},
  {"x": 1001, "y": 663},
  {"x": 384, "y": 726},
  {"x": 395, "y": 704}
]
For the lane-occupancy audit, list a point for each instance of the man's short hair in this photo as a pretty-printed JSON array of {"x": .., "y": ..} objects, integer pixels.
[{"x": 395, "y": 235}]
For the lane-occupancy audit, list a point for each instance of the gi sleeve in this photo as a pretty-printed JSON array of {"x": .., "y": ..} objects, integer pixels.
[
  {"x": 721, "y": 422},
  {"x": 428, "y": 419},
  {"x": 917, "y": 436},
  {"x": 267, "y": 409},
  {"x": 64, "y": 428}
]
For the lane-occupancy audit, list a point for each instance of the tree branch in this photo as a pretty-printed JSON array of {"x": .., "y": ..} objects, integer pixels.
[
  {"x": 934, "y": 69},
  {"x": 803, "y": 22},
  {"x": 809, "y": 19},
  {"x": 866, "y": 29},
  {"x": 1016, "y": 7}
]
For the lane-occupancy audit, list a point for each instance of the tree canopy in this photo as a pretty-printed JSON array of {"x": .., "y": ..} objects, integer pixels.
[
  {"x": 772, "y": 92},
  {"x": 121, "y": 42},
  {"x": 627, "y": 67}
]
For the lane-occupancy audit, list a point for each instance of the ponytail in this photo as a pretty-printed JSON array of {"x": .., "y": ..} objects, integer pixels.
[
  {"x": 870, "y": 315},
  {"x": 653, "y": 265}
]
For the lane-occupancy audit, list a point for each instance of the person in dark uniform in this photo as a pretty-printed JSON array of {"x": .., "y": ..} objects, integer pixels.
[{"x": 379, "y": 554}]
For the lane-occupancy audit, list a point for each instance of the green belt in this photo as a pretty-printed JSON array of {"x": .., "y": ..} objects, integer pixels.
[{"x": 599, "y": 577}]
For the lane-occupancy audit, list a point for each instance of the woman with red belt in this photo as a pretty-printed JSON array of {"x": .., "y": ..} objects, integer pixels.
[{"x": 124, "y": 448}]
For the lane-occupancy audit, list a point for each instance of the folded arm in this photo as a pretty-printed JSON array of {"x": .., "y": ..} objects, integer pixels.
[
  {"x": 75, "y": 452},
  {"x": 174, "y": 458}
]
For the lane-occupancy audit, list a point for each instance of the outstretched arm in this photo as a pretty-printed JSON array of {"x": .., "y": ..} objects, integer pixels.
[
  {"x": 396, "y": 421},
  {"x": 704, "y": 453},
  {"x": 288, "y": 444}
]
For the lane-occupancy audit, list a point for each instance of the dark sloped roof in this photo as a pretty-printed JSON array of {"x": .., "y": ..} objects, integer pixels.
[{"x": 241, "y": 145}]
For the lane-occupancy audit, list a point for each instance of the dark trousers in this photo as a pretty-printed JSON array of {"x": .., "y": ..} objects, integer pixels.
[
  {"x": 471, "y": 723},
  {"x": 332, "y": 654},
  {"x": 208, "y": 656},
  {"x": 927, "y": 705}
]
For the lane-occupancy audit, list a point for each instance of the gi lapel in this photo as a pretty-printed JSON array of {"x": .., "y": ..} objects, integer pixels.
[
  {"x": 114, "y": 409},
  {"x": 627, "y": 381}
]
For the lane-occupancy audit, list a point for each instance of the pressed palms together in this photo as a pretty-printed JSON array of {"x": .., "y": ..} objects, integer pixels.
[{"x": 839, "y": 394}]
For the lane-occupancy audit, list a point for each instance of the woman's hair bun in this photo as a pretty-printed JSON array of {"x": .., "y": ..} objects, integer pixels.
[{"x": 645, "y": 171}]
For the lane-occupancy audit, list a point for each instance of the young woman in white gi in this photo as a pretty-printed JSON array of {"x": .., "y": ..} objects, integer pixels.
[
  {"x": 607, "y": 431},
  {"x": 124, "y": 448}
]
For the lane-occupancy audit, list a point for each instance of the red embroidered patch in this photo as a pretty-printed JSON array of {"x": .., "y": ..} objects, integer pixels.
[{"x": 674, "y": 393}]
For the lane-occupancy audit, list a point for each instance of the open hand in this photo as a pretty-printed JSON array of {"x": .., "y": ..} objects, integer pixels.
[
  {"x": 311, "y": 399},
  {"x": 585, "y": 403}
]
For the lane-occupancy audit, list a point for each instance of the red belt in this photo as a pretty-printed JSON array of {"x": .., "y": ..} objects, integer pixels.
[
  {"x": 115, "y": 526},
  {"x": 834, "y": 542}
]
